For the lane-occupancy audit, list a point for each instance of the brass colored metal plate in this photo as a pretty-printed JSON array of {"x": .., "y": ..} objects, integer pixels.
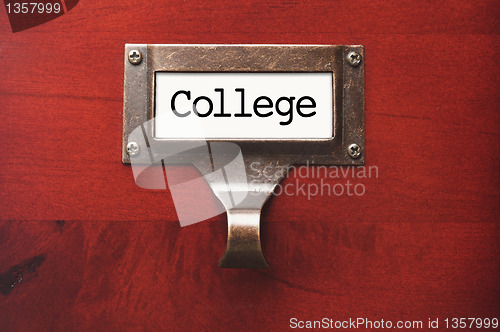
[{"x": 348, "y": 91}]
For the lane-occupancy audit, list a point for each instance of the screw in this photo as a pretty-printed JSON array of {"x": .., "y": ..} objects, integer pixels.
[
  {"x": 133, "y": 149},
  {"x": 354, "y": 58},
  {"x": 135, "y": 57},
  {"x": 354, "y": 151}
]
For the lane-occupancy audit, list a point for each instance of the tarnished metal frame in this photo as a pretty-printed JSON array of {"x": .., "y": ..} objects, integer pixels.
[
  {"x": 348, "y": 92},
  {"x": 243, "y": 248}
]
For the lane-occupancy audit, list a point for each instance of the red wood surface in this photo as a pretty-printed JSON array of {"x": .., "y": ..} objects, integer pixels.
[{"x": 86, "y": 249}]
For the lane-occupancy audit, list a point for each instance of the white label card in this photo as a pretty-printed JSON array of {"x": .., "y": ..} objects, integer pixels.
[{"x": 243, "y": 105}]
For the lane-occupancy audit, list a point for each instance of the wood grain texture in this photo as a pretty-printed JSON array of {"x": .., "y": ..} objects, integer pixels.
[{"x": 422, "y": 242}]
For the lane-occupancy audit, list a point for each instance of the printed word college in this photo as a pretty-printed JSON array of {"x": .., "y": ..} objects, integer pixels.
[{"x": 263, "y": 106}]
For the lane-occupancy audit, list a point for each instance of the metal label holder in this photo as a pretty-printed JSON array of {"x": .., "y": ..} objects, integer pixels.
[{"x": 345, "y": 147}]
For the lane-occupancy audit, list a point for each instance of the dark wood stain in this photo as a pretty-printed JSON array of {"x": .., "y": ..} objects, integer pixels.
[{"x": 19, "y": 273}]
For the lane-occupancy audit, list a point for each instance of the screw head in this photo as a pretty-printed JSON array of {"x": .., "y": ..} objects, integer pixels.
[
  {"x": 353, "y": 58},
  {"x": 134, "y": 57},
  {"x": 354, "y": 151},
  {"x": 133, "y": 149}
]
